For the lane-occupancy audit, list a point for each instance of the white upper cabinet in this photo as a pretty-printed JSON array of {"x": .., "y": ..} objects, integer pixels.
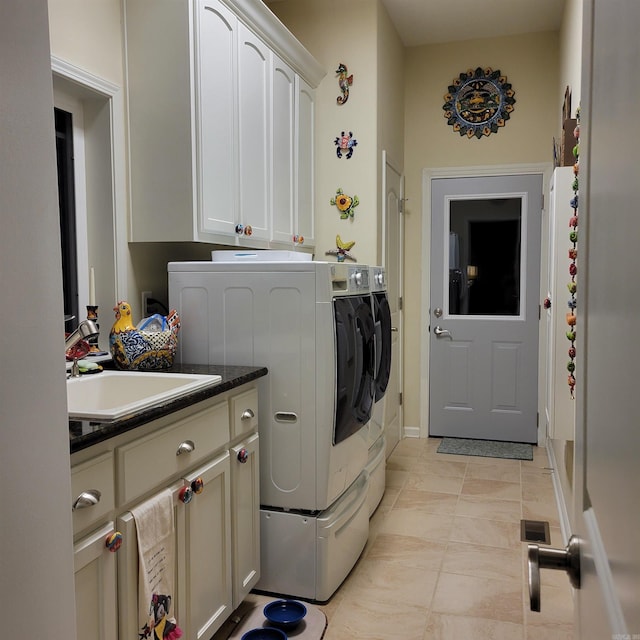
[
  {"x": 283, "y": 151},
  {"x": 254, "y": 110},
  {"x": 216, "y": 72},
  {"x": 305, "y": 167},
  {"x": 220, "y": 105}
]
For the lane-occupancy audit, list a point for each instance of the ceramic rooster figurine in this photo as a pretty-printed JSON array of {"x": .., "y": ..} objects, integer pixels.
[{"x": 139, "y": 349}]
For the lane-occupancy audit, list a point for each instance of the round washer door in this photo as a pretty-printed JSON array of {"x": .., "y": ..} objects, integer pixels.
[{"x": 355, "y": 365}]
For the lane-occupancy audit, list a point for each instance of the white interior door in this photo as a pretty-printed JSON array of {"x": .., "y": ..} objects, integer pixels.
[
  {"x": 485, "y": 273},
  {"x": 607, "y": 481},
  {"x": 392, "y": 251}
]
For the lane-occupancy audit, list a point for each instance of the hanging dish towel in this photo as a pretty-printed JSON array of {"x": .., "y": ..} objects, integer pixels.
[{"x": 154, "y": 526}]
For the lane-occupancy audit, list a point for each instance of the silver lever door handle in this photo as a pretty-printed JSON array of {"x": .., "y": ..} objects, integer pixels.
[
  {"x": 538, "y": 558},
  {"x": 442, "y": 333}
]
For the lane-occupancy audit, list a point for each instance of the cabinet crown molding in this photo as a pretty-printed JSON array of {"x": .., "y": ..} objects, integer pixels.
[{"x": 259, "y": 18}]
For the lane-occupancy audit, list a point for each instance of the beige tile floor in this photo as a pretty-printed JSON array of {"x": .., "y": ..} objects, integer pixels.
[{"x": 444, "y": 560}]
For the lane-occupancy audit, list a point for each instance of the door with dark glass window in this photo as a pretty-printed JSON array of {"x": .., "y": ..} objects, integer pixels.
[{"x": 485, "y": 271}]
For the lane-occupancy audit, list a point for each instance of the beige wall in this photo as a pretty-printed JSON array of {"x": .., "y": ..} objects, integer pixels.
[
  {"x": 390, "y": 101},
  {"x": 530, "y": 63},
  {"x": 335, "y": 32},
  {"x": 88, "y": 35},
  {"x": 391, "y": 65},
  {"x": 571, "y": 53}
]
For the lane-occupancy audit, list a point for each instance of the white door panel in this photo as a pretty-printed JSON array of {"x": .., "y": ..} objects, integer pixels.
[
  {"x": 607, "y": 444},
  {"x": 607, "y": 435}
]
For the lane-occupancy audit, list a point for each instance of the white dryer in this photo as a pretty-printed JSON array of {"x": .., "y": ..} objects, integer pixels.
[{"x": 311, "y": 324}]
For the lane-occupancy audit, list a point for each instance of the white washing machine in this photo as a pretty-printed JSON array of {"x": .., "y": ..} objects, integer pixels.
[{"x": 311, "y": 324}]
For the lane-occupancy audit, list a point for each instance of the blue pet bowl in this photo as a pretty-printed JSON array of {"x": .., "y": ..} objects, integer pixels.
[
  {"x": 285, "y": 613},
  {"x": 266, "y": 633}
]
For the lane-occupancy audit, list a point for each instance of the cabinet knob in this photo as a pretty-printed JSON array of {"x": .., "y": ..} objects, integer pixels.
[
  {"x": 186, "y": 447},
  {"x": 248, "y": 230},
  {"x": 247, "y": 414},
  {"x": 298, "y": 239},
  {"x": 114, "y": 541},
  {"x": 197, "y": 485},
  {"x": 86, "y": 499},
  {"x": 243, "y": 455},
  {"x": 186, "y": 494}
]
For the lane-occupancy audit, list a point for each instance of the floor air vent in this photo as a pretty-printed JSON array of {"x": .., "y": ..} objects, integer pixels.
[{"x": 535, "y": 531}]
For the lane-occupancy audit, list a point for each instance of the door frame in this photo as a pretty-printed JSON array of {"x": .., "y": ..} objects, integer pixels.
[
  {"x": 389, "y": 161},
  {"x": 429, "y": 174}
]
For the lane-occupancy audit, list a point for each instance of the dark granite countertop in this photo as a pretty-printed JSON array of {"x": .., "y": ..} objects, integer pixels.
[{"x": 85, "y": 433}]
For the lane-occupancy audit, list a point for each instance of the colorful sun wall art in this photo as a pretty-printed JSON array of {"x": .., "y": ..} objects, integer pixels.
[{"x": 479, "y": 102}]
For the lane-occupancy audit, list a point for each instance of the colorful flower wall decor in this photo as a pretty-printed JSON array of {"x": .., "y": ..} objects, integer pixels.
[
  {"x": 345, "y": 204},
  {"x": 479, "y": 102}
]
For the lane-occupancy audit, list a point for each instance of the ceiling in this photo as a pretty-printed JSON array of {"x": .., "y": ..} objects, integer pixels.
[{"x": 432, "y": 21}]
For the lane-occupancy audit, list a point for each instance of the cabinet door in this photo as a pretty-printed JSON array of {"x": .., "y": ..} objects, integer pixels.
[
  {"x": 215, "y": 57},
  {"x": 202, "y": 599},
  {"x": 95, "y": 582},
  {"x": 304, "y": 134},
  {"x": 254, "y": 63},
  {"x": 283, "y": 121},
  {"x": 245, "y": 509},
  {"x": 203, "y": 538}
]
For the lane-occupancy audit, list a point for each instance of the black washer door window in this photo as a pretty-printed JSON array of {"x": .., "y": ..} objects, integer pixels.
[
  {"x": 382, "y": 315},
  {"x": 355, "y": 365}
]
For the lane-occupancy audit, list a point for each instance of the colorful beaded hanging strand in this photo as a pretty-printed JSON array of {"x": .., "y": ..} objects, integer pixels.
[{"x": 573, "y": 267}]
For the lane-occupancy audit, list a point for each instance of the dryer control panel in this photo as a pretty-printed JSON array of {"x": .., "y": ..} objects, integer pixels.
[{"x": 349, "y": 278}]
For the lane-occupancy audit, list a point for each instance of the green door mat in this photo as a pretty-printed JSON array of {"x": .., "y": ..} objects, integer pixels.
[{"x": 486, "y": 448}]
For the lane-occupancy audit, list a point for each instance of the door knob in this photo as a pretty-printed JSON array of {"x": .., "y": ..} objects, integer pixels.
[
  {"x": 442, "y": 333},
  {"x": 567, "y": 559}
]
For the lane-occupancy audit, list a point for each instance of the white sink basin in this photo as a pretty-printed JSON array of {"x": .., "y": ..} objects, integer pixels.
[{"x": 110, "y": 395}]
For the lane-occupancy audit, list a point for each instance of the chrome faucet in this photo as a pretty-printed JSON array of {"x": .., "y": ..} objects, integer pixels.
[{"x": 86, "y": 329}]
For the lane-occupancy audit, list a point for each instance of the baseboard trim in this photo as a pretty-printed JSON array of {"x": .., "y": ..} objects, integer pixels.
[
  {"x": 563, "y": 513},
  {"x": 411, "y": 432}
]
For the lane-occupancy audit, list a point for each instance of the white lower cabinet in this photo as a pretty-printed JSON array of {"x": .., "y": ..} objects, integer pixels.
[
  {"x": 217, "y": 537},
  {"x": 202, "y": 577},
  {"x": 95, "y": 582},
  {"x": 245, "y": 517}
]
